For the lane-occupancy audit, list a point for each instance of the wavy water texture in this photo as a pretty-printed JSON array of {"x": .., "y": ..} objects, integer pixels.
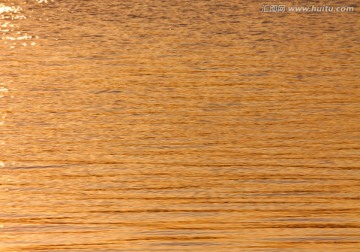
[{"x": 180, "y": 125}]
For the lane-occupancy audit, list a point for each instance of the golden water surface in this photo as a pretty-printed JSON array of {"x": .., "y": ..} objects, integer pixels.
[{"x": 182, "y": 125}]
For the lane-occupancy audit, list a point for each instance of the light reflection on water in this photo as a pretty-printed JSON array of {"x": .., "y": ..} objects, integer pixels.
[
  {"x": 12, "y": 18},
  {"x": 177, "y": 126},
  {"x": 9, "y": 10}
]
